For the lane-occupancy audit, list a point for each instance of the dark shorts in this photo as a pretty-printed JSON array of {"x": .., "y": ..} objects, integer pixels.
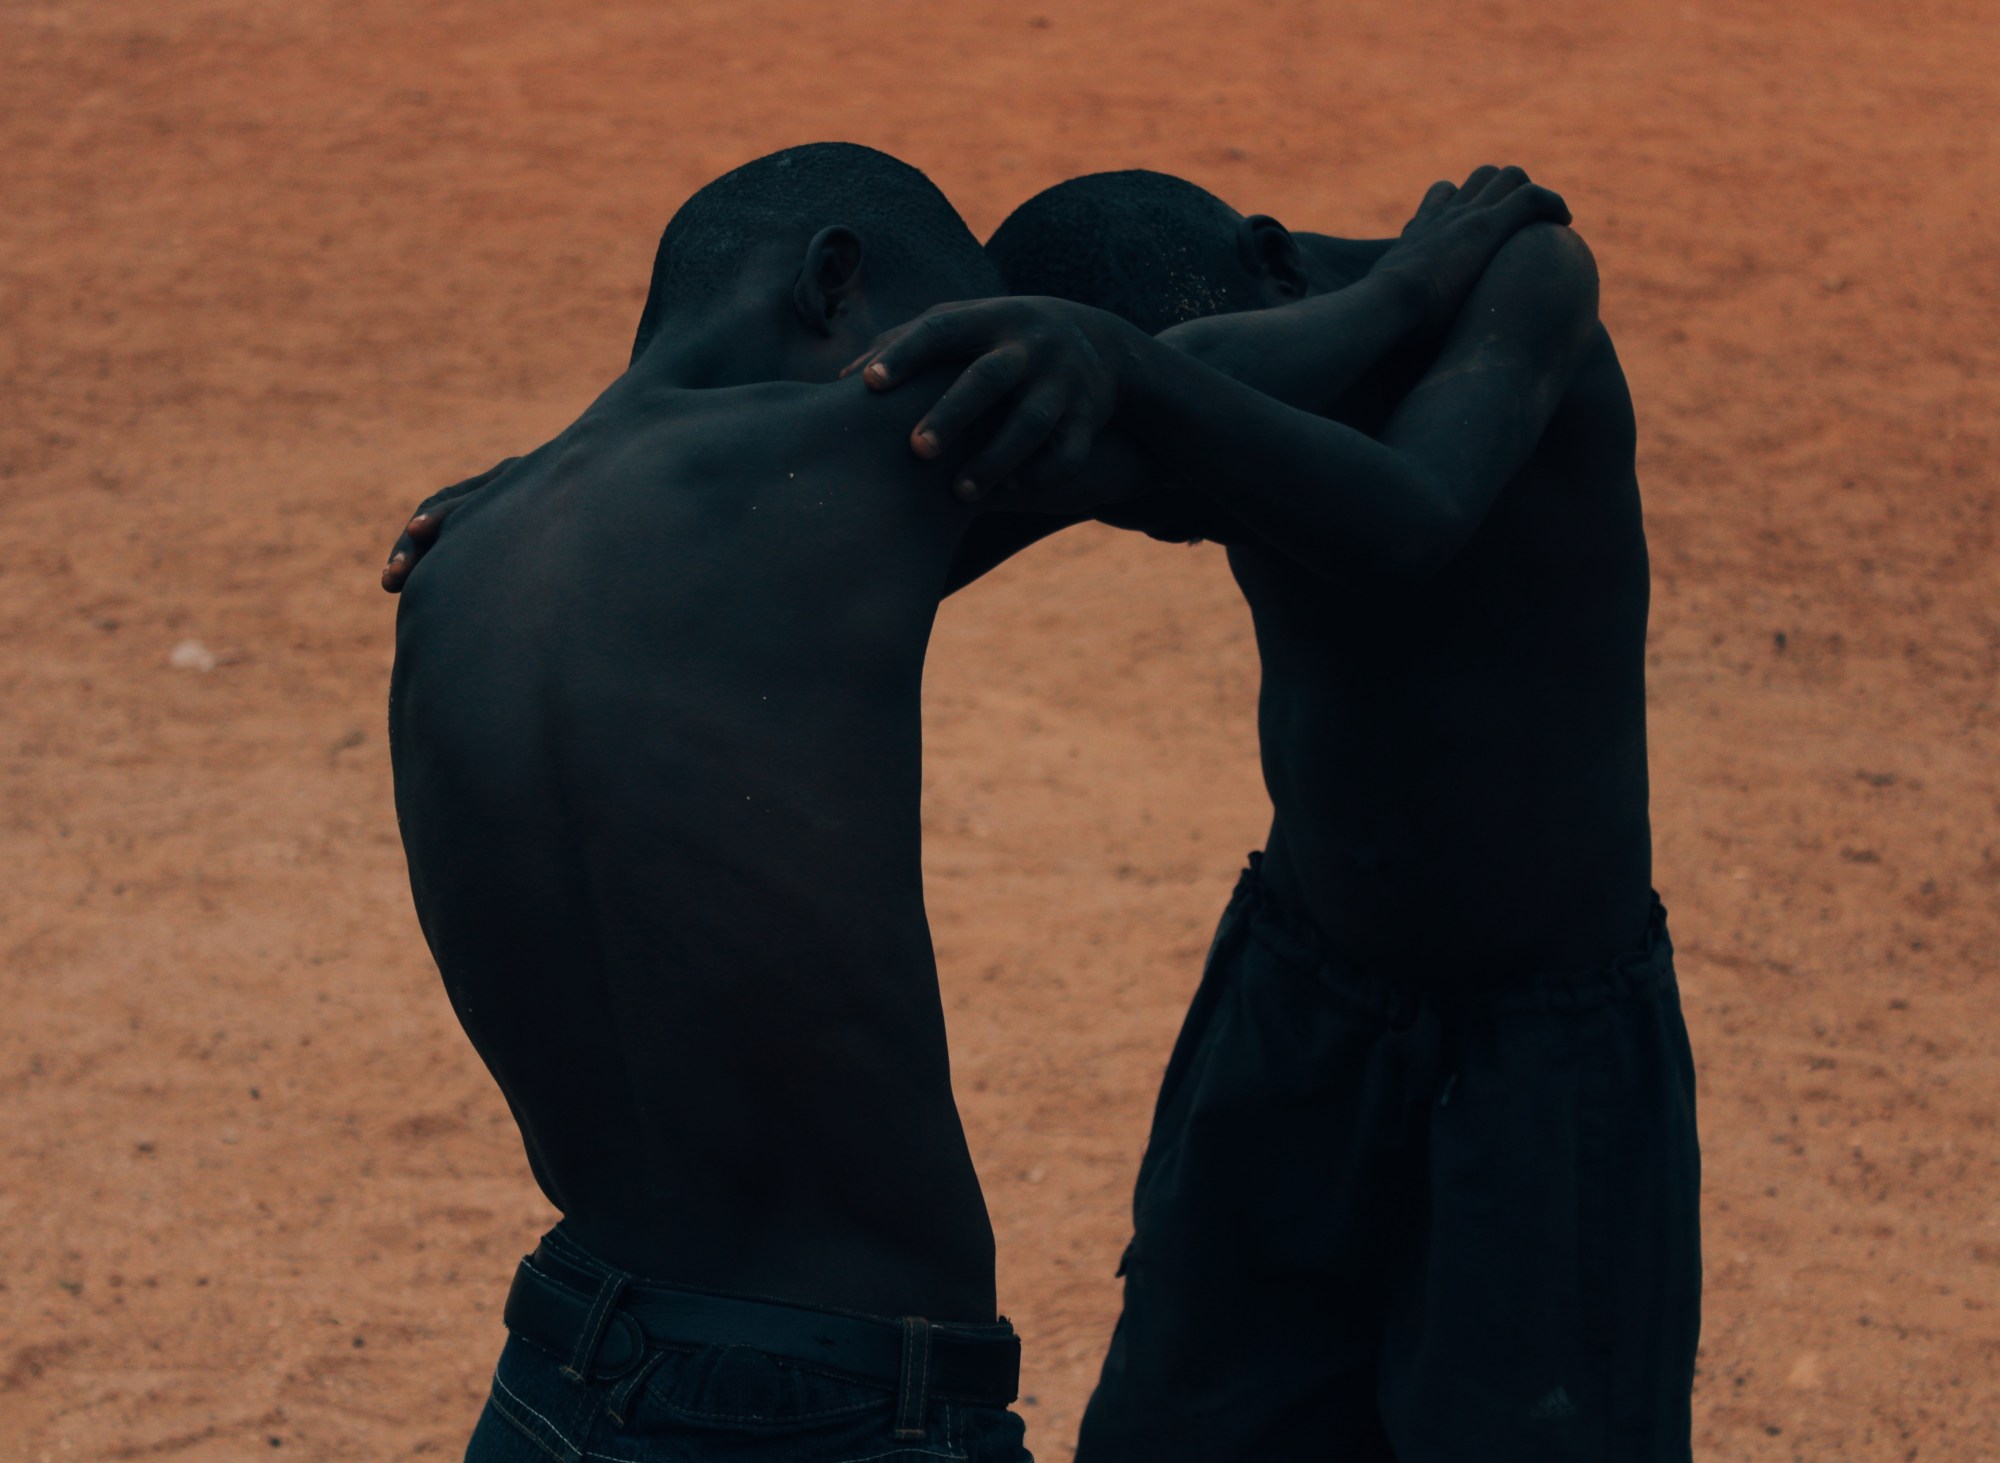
[
  {"x": 634, "y": 1396},
  {"x": 1375, "y": 1224}
]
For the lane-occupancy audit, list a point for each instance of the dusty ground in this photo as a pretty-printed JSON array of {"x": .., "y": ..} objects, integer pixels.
[{"x": 272, "y": 269}]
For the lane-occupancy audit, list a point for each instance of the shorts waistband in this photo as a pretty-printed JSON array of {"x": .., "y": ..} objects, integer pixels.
[
  {"x": 605, "y": 1322},
  {"x": 1296, "y": 941}
]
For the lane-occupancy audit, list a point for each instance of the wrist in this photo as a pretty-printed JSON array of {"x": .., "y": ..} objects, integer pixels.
[{"x": 1126, "y": 350}]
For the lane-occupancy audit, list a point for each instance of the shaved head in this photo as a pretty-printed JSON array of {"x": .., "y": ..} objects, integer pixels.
[
  {"x": 909, "y": 228},
  {"x": 1150, "y": 247}
]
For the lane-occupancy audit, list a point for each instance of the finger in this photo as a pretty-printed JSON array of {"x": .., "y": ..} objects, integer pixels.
[
  {"x": 939, "y": 335},
  {"x": 875, "y": 348},
  {"x": 419, "y": 536},
  {"x": 982, "y": 386},
  {"x": 424, "y": 529},
  {"x": 1536, "y": 204},
  {"x": 1435, "y": 198},
  {"x": 1059, "y": 459},
  {"x": 397, "y": 571},
  {"x": 1477, "y": 179},
  {"x": 414, "y": 543},
  {"x": 1028, "y": 424},
  {"x": 1504, "y": 182}
]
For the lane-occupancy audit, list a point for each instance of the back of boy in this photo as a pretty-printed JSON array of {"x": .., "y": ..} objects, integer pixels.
[
  {"x": 656, "y": 712},
  {"x": 655, "y": 728}
]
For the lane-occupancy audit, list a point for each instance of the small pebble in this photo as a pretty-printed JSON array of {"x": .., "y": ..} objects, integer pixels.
[{"x": 192, "y": 655}]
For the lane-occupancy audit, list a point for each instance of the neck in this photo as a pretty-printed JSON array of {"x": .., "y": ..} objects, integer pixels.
[
  {"x": 752, "y": 340},
  {"x": 735, "y": 346}
]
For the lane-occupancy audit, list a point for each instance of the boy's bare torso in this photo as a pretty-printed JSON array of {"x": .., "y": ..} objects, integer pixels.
[
  {"x": 656, "y": 733},
  {"x": 1459, "y": 771}
]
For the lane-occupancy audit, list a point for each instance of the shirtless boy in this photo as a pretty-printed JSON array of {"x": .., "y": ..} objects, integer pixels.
[
  {"x": 1423, "y": 1181},
  {"x": 655, "y": 732}
]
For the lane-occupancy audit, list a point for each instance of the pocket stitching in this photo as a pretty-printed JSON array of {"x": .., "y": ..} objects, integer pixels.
[{"x": 521, "y": 1425}]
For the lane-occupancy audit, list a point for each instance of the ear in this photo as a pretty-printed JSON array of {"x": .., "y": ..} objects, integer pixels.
[
  {"x": 1270, "y": 253},
  {"x": 829, "y": 277}
]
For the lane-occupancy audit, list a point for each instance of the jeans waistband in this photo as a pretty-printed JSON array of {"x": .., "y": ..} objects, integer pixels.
[{"x": 608, "y": 1323}]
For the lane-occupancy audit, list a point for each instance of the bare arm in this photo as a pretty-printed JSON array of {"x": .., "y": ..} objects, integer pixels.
[
  {"x": 1308, "y": 358},
  {"x": 1408, "y": 293},
  {"x": 1341, "y": 503},
  {"x": 1401, "y": 507},
  {"x": 1308, "y": 354}
]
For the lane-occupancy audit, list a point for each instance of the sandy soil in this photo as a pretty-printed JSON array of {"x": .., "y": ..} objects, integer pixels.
[{"x": 270, "y": 270}]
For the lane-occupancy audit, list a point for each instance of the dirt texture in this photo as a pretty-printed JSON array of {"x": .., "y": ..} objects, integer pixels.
[{"x": 271, "y": 270}]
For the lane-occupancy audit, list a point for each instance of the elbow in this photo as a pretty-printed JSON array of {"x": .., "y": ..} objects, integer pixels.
[{"x": 1556, "y": 267}]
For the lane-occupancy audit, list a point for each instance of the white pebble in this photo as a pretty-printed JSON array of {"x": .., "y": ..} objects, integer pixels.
[{"x": 192, "y": 655}]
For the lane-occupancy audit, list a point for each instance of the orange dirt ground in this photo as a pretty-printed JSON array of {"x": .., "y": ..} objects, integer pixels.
[{"x": 271, "y": 270}]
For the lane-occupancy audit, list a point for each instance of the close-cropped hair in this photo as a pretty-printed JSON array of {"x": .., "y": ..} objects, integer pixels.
[
  {"x": 905, "y": 224},
  {"x": 1155, "y": 249}
]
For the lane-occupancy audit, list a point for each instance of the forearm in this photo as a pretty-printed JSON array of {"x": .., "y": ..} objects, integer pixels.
[
  {"x": 1310, "y": 353},
  {"x": 1475, "y": 418},
  {"x": 1310, "y": 487},
  {"x": 1347, "y": 505}
]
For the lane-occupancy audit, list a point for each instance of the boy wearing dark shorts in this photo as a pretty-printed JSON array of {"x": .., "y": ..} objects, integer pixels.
[
  {"x": 1423, "y": 1180},
  {"x": 1410, "y": 1216}
]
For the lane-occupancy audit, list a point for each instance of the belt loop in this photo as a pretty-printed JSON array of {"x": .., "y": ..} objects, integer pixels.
[
  {"x": 620, "y": 1404},
  {"x": 913, "y": 1391},
  {"x": 609, "y": 1291}
]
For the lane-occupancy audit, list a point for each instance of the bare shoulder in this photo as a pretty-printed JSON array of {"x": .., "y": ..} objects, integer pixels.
[{"x": 839, "y": 425}]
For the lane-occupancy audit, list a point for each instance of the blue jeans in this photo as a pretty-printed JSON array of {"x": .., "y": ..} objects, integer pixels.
[{"x": 730, "y": 1404}]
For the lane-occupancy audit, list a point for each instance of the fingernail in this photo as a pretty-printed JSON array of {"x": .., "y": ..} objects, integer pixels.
[
  {"x": 397, "y": 558},
  {"x": 877, "y": 374},
  {"x": 926, "y": 444},
  {"x": 966, "y": 488}
]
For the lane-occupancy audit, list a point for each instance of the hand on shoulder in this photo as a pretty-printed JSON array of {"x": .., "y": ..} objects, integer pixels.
[{"x": 1052, "y": 368}]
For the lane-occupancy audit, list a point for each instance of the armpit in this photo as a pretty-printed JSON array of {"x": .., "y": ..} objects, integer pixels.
[{"x": 1173, "y": 516}]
